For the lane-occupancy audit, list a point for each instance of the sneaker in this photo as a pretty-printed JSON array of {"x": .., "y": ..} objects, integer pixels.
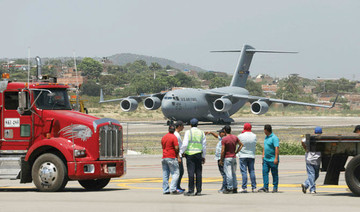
[
  {"x": 180, "y": 189},
  {"x": 221, "y": 191},
  {"x": 235, "y": 191},
  {"x": 189, "y": 194},
  {"x": 177, "y": 191},
  {"x": 303, "y": 188},
  {"x": 198, "y": 194},
  {"x": 254, "y": 190},
  {"x": 312, "y": 192},
  {"x": 275, "y": 190},
  {"x": 243, "y": 190},
  {"x": 263, "y": 189},
  {"x": 166, "y": 192},
  {"x": 227, "y": 191}
]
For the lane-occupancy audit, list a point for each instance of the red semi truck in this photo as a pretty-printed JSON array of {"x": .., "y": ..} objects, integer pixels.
[{"x": 44, "y": 140}]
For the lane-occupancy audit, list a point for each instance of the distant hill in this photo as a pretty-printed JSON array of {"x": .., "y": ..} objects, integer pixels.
[{"x": 124, "y": 58}]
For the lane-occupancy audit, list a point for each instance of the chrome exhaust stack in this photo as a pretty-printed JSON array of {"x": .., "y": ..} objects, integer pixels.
[{"x": 38, "y": 68}]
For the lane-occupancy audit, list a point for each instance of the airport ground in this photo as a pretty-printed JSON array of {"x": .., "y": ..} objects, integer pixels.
[
  {"x": 144, "y": 136},
  {"x": 140, "y": 188}
]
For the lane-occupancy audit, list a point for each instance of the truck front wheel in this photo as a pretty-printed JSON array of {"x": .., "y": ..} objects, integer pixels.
[
  {"x": 49, "y": 173},
  {"x": 94, "y": 185},
  {"x": 352, "y": 175}
]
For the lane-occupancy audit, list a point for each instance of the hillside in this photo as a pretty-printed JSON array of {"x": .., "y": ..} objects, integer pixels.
[
  {"x": 119, "y": 59},
  {"x": 124, "y": 58}
]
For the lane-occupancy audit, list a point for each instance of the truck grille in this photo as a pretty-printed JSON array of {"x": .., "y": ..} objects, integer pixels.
[{"x": 111, "y": 142}]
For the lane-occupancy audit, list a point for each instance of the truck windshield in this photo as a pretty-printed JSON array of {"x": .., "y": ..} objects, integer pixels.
[{"x": 57, "y": 100}]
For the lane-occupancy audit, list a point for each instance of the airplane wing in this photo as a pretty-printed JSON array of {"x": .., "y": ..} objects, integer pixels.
[
  {"x": 269, "y": 101},
  {"x": 137, "y": 98},
  {"x": 287, "y": 102}
]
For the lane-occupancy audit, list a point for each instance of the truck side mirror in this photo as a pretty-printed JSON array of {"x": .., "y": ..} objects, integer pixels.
[{"x": 22, "y": 102}]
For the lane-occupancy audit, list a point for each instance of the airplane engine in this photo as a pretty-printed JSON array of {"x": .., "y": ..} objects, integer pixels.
[
  {"x": 222, "y": 105},
  {"x": 152, "y": 103},
  {"x": 128, "y": 105},
  {"x": 259, "y": 107}
]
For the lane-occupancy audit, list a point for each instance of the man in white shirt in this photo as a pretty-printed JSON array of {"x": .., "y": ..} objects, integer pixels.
[
  {"x": 179, "y": 126},
  {"x": 247, "y": 157}
]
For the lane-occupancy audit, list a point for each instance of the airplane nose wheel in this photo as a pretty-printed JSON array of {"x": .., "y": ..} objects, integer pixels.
[{"x": 170, "y": 122}]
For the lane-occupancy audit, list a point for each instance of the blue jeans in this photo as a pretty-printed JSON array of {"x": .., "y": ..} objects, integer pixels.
[
  {"x": 230, "y": 172},
  {"x": 181, "y": 172},
  {"x": 247, "y": 163},
  {"x": 267, "y": 166},
  {"x": 170, "y": 166},
  {"x": 313, "y": 174},
  {"x": 221, "y": 169}
]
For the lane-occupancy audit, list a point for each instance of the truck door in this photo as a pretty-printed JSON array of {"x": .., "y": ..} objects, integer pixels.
[{"x": 15, "y": 128}]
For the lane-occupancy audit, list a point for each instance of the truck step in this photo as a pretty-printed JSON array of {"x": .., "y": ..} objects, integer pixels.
[{"x": 10, "y": 167}]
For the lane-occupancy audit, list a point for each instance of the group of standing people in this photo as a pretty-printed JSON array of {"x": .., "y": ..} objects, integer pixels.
[
  {"x": 193, "y": 148},
  {"x": 245, "y": 142}
]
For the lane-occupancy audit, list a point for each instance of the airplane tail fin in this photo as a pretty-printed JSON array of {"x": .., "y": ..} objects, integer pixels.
[
  {"x": 242, "y": 70},
  {"x": 101, "y": 96}
]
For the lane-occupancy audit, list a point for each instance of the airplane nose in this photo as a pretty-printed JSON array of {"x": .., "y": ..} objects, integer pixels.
[{"x": 166, "y": 107}]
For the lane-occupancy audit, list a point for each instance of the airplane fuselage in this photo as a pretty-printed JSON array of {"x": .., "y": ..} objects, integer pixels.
[{"x": 189, "y": 103}]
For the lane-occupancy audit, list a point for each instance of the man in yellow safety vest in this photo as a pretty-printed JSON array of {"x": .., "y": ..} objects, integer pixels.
[{"x": 194, "y": 148}]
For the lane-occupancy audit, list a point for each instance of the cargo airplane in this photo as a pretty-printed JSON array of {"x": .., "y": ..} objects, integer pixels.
[{"x": 212, "y": 105}]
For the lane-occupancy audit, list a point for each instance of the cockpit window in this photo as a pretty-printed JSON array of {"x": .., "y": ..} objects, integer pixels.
[{"x": 56, "y": 100}]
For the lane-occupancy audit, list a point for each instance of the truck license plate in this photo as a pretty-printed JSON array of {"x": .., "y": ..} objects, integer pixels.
[{"x": 112, "y": 169}]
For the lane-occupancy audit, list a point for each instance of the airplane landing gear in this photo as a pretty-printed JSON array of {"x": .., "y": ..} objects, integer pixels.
[
  {"x": 222, "y": 122},
  {"x": 170, "y": 122}
]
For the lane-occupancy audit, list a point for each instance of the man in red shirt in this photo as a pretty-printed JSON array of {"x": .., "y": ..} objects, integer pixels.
[
  {"x": 170, "y": 161},
  {"x": 228, "y": 159}
]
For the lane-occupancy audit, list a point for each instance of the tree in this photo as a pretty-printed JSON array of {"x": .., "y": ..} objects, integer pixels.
[
  {"x": 115, "y": 69},
  {"x": 90, "y": 88},
  {"x": 53, "y": 62},
  {"x": 184, "y": 80},
  {"x": 207, "y": 75},
  {"x": 70, "y": 62},
  {"x": 218, "y": 82},
  {"x": 155, "y": 66},
  {"x": 290, "y": 88},
  {"x": 21, "y": 61},
  {"x": 254, "y": 88},
  {"x": 335, "y": 86},
  {"x": 168, "y": 67},
  {"x": 49, "y": 70},
  {"x": 90, "y": 68}
]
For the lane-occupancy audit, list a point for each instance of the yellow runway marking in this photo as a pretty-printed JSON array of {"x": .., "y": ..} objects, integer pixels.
[{"x": 130, "y": 183}]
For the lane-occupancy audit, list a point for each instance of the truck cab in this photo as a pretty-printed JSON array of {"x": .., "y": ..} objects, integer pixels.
[{"x": 43, "y": 140}]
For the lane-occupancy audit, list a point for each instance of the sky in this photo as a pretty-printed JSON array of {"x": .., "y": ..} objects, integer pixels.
[{"x": 326, "y": 33}]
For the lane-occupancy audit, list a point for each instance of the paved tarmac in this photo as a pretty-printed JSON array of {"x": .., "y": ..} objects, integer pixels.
[{"x": 140, "y": 189}]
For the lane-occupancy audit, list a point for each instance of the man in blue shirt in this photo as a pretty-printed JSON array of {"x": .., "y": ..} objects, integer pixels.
[{"x": 270, "y": 159}]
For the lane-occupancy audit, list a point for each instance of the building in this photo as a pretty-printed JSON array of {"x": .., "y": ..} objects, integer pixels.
[
  {"x": 69, "y": 77},
  {"x": 269, "y": 88}
]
